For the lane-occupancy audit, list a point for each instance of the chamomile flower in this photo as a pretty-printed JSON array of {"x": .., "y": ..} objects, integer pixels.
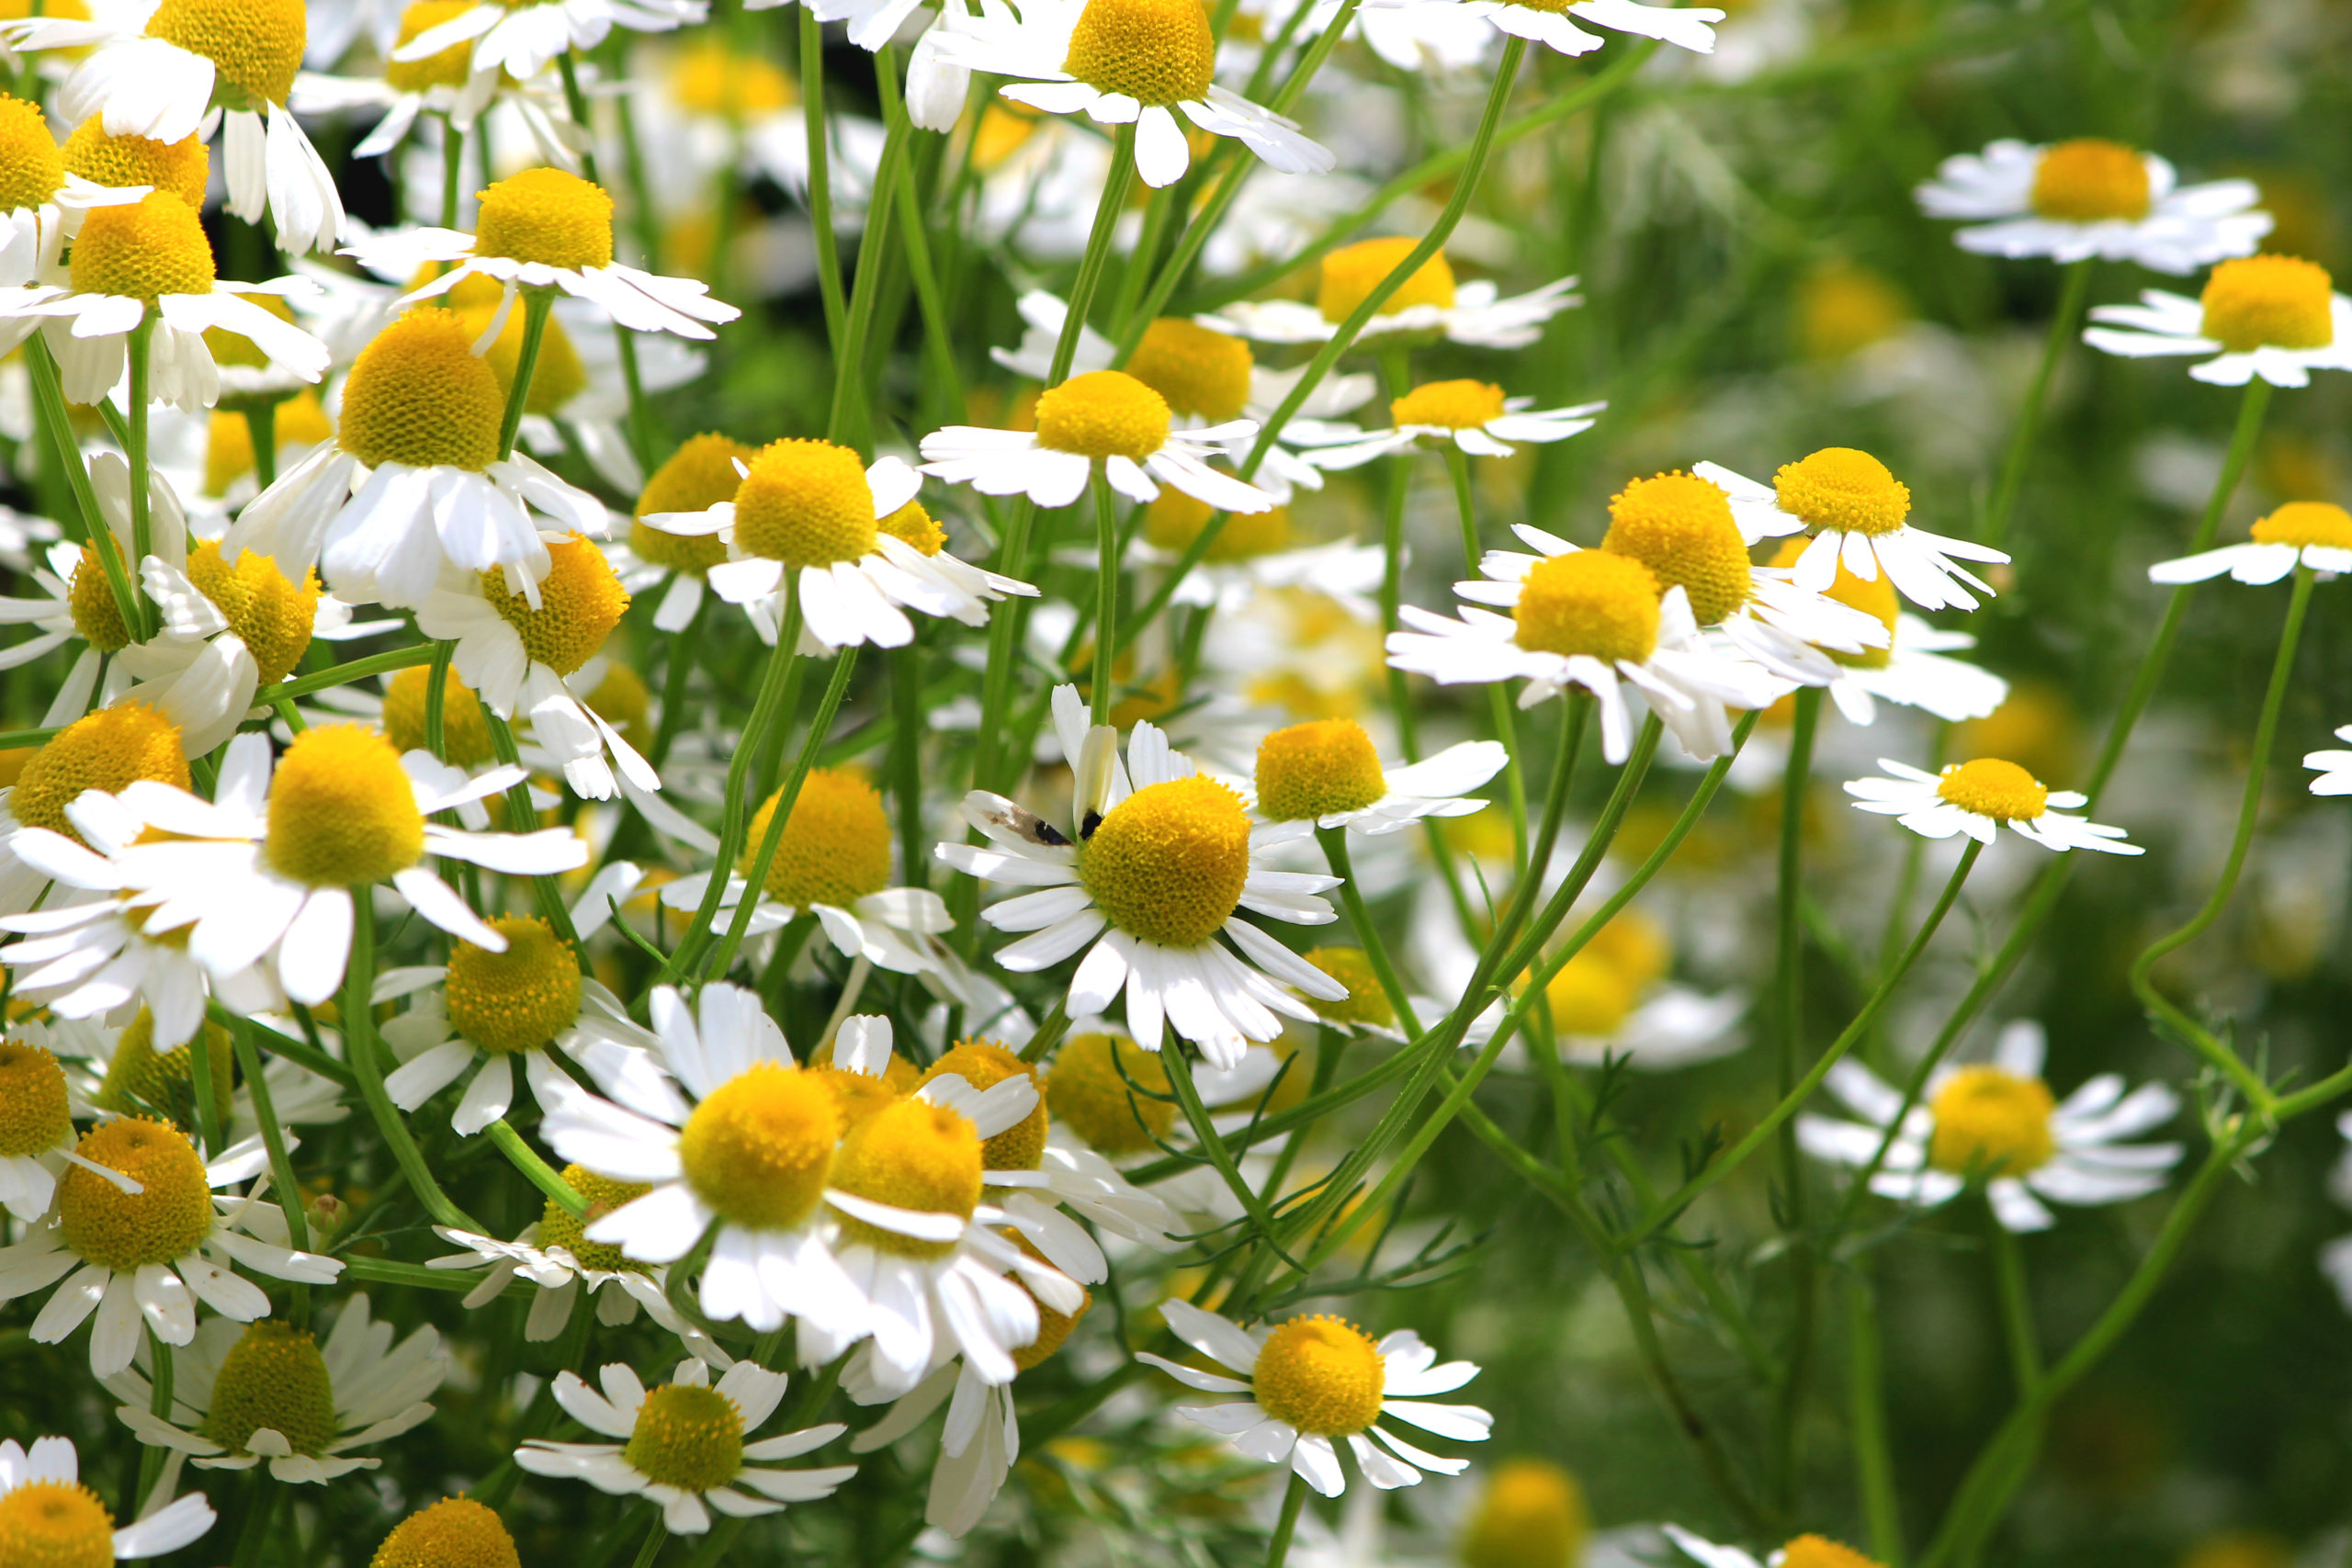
[
  {"x": 1859, "y": 514},
  {"x": 2334, "y": 768},
  {"x": 137, "y": 1236},
  {"x": 2275, "y": 317},
  {"x": 44, "y": 197},
  {"x": 1162, "y": 862},
  {"x": 2073, "y": 200},
  {"x": 106, "y": 750},
  {"x": 1613, "y": 999},
  {"x": 36, "y": 1128},
  {"x": 228, "y": 633},
  {"x": 268, "y": 1390},
  {"x": 1805, "y": 1552},
  {"x": 684, "y": 1446},
  {"x": 1912, "y": 669},
  {"x": 49, "y": 1517},
  {"x": 701, "y": 474},
  {"x": 1473, "y": 416},
  {"x": 1327, "y": 773},
  {"x": 1312, "y": 1381},
  {"x": 1122, "y": 62},
  {"x": 2316, "y": 534},
  {"x": 447, "y": 84},
  {"x": 1998, "y": 1123},
  {"x": 1427, "y": 305},
  {"x": 1554, "y": 25},
  {"x": 1978, "y": 798},
  {"x": 524, "y": 39}
]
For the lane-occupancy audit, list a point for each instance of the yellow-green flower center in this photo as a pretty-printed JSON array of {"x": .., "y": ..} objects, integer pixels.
[
  {"x": 1200, "y": 371},
  {"x": 456, "y": 1532},
  {"x": 559, "y": 1227},
  {"x": 31, "y": 166},
  {"x": 515, "y": 1000},
  {"x": 342, "y": 812},
  {"x": 910, "y": 1155},
  {"x": 1353, "y": 272},
  {"x": 1531, "y": 1515},
  {"x": 2306, "y": 523},
  {"x": 697, "y": 476},
  {"x": 1316, "y": 769},
  {"x": 177, "y": 168},
  {"x": 416, "y": 395},
  {"x": 142, "y": 1081},
  {"x": 2269, "y": 302},
  {"x": 1680, "y": 527},
  {"x": 272, "y": 615},
  {"x": 1366, "y": 1001},
  {"x": 1321, "y": 1374},
  {"x": 1840, "y": 489},
  {"x": 687, "y": 1436},
  {"x": 835, "y": 848},
  {"x": 273, "y": 1377},
  {"x": 34, "y": 1114},
  {"x": 1451, "y": 405},
  {"x": 1088, "y": 1093},
  {"x": 143, "y": 249},
  {"x": 580, "y": 600},
  {"x": 1168, "y": 864},
  {"x": 55, "y": 1523},
  {"x": 255, "y": 45},
  {"x": 1104, "y": 413},
  {"x": 547, "y": 215},
  {"x": 1873, "y": 596},
  {"x": 122, "y": 1231},
  {"x": 464, "y": 733},
  {"x": 984, "y": 1064},
  {"x": 108, "y": 750},
  {"x": 1155, "y": 51},
  {"x": 757, "y": 1149},
  {"x": 1992, "y": 787},
  {"x": 1592, "y": 602},
  {"x": 2087, "y": 180},
  {"x": 804, "y": 504},
  {"x": 1991, "y": 1122}
]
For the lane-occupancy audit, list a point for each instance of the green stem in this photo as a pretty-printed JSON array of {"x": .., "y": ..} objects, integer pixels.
[
  {"x": 539, "y": 1172},
  {"x": 143, "y": 499},
  {"x": 520, "y": 814},
  {"x": 1294, "y": 1499},
  {"x": 1106, "y": 604},
  {"x": 2015, "y": 1302},
  {"x": 2028, "y": 424},
  {"x": 1866, "y": 1416},
  {"x": 437, "y": 700},
  {"x": 675, "y": 673},
  {"x": 1789, "y": 1033},
  {"x": 273, "y": 1137},
  {"x": 657, "y": 1533},
  {"x": 48, "y": 401},
  {"x": 537, "y": 304},
  {"x": 453, "y": 170},
  {"x": 207, "y": 1110},
  {"x": 1498, "y": 703},
  {"x": 906, "y": 763},
  {"x": 261, "y": 426},
  {"x": 360, "y": 1047},
  {"x": 1392, "y": 986},
  {"x": 151, "y": 1460},
  {"x": 848, "y": 420},
  {"x": 820, "y": 175},
  {"x": 353, "y": 669}
]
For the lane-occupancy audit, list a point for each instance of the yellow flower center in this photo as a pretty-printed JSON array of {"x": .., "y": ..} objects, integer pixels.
[
  {"x": 273, "y": 1377},
  {"x": 580, "y": 600},
  {"x": 55, "y": 1523},
  {"x": 342, "y": 813},
  {"x": 1991, "y": 1122},
  {"x": 1590, "y": 996},
  {"x": 710, "y": 79},
  {"x": 835, "y": 848},
  {"x": 1635, "y": 946},
  {"x": 96, "y": 614},
  {"x": 255, "y": 45},
  {"x": 2267, "y": 301},
  {"x": 518, "y": 999},
  {"x": 34, "y": 1116},
  {"x": 1843, "y": 308},
  {"x": 464, "y": 733},
  {"x": 417, "y": 395},
  {"x": 545, "y": 216},
  {"x": 270, "y": 614},
  {"x": 914, "y": 526},
  {"x": 228, "y": 439},
  {"x": 1592, "y": 601},
  {"x": 32, "y": 166},
  {"x": 1053, "y": 1328},
  {"x": 687, "y": 1436},
  {"x": 984, "y": 1064},
  {"x": 622, "y": 700},
  {"x": 2302, "y": 522},
  {"x": 698, "y": 476},
  {"x": 176, "y": 168},
  {"x": 118, "y": 1230},
  {"x": 804, "y": 504},
  {"x": 1315, "y": 769},
  {"x": 1155, "y": 51},
  {"x": 1100, "y": 1087},
  {"x": 141, "y": 1081},
  {"x": 2087, "y": 180},
  {"x": 148, "y": 247},
  {"x": 1104, "y": 413},
  {"x": 1168, "y": 864},
  {"x": 1353, "y": 272},
  {"x": 1680, "y": 527},
  {"x": 757, "y": 1150},
  {"x": 1991, "y": 787},
  {"x": 1200, "y": 372},
  {"x": 559, "y": 1227},
  {"x": 1818, "y": 1551},
  {"x": 1531, "y": 1515},
  {"x": 860, "y": 1095},
  {"x": 108, "y": 750},
  {"x": 1875, "y": 597},
  {"x": 1452, "y": 405},
  {"x": 912, "y": 1155},
  {"x": 1366, "y": 1001},
  {"x": 1840, "y": 489},
  {"x": 1321, "y": 1374},
  {"x": 456, "y": 1532},
  {"x": 450, "y": 68},
  {"x": 556, "y": 379},
  {"x": 1176, "y": 519}
]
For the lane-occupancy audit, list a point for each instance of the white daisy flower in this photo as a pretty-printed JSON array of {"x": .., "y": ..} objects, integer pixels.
[
  {"x": 2275, "y": 317},
  {"x": 684, "y": 1446},
  {"x": 1685, "y": 26},
  {"x": 1427, "y": 305},
  {"x": 1314, "y": 1379},
  {"x": 1998, "y": 1123},
  {"x": 227, "y": 634},
  {"x": 44, "y": 199},
  {"x": 2316, "y": 534},
  {"x": 37, "y": 1134},
  {"x": 1327, "y": 773},
  {"x": 524, "y": 39},
  {"x": 1473, "y": 416},
  {"x": 446, "y": 83},
  {"x": 1805, "y": 1552},
  {"x": 1979, "y": 798},
  {"x": 138, "y": 1237},
  {"x": 1157, "y": 869},
  {"x": 44, "y": 1505},
  {"x": 1912, "y": 669},
  {"x": 2334, "y": 768},
  {"x": 1102, "y": 416},
  {"x": 2088, "y": 197},
  {"x": 242, "y": 1394},
  {"x": 1122, "y": 62}
]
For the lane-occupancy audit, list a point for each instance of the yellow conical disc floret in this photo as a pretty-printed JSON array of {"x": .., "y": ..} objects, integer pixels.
[
  {"x": 559, "y": 1227},
  {"x": 168, "y": 1218},
  {"x": 1819, "y": 1552},
  {"x": 255, "y": 45},
  {"x": 1353, "y": 272},
  {"x": 35, "y": 1115},
  {"x": 1680, "y": 527},
  {"x": 2269, "y": 302},
  {"x": 1873, "y": 596},
  {"x": 836, "y": 844},
  {"x": 141, "y": 1080},
  {"x": 622, "y": 700},
  {"x": 1531, "y": 1515},
  {"x": 1201, "y": 372},
  {"x": 1318, "y": 769},
  {"x": 456, "y": 1532},
  {"x": 1104, "y": 413},
  {"x": 108, "y": 750},
  {"x": 416, "y": 395},
  {"x": 709, "y": 78},
  {"x": 687, "y": 1436},
  {"x": 1839, "y": 488},
  {"x": 2306, "y": 523},
  {"x": 1155, "y": 51},
  {"x": 1176, "y": 519},
  {"x": 176, "y": 168},
  {"x": 580, "y": 600},
  {"x": 450, "y": 68},
  {"x": 273, "y": 1377},
  {"x": 1591, "y": 997},
  {"x": 1990, "y": 1122},
  {"x": 556, "y": 379},
  {"x": 97, "y": 614},
  {"x": 272, "y": 615},
  {"x": 804, "y": 504},
  {"x": 1592, "y": 602},
  {"x": 1102, "y": 1087},
  {"x": 910, "y": 1155},
  {"x": 914, "y": 526},
  {"x": 1450, "y": 405},
  {"x": 1991, "y": 787},
  {"x": 698, "y": 476},
  {"x": 1321, "y": 1374},
  {"x": 32, "y": 166},
  {"x": 1168, "y": 864},
  {"x": 55, "y": 1523},
  {"x": 464, "y": 733},
  {"x": 2087, "y": 180},
  {"x": 548, "y": 217},
  {"x": 984, "y": 1064},
  {"x": 757, "y": 1149},
  {"x": 148, "y": 247},
  {"x": 342, "y": 812},
  {"x": 1365, "y": 1002},
  {"x": 521, "y": 999}
]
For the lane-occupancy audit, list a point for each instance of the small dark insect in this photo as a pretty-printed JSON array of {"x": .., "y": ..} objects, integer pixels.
[{"x": 1087, "y": 823}]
